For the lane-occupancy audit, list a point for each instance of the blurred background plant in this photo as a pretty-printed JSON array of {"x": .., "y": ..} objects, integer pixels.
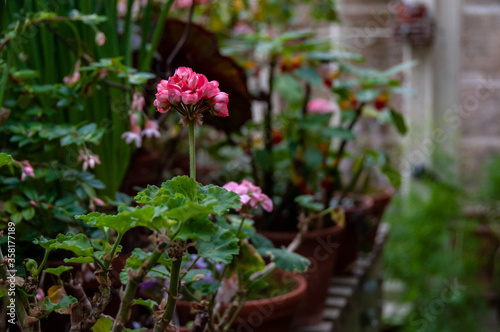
[{"x": 440, "y": 261}]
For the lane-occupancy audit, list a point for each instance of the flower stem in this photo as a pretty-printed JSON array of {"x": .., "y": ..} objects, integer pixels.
[
  {"x": 192, "y": 161},
  {"x": 173, "y": 293},
  {"x": 132, "y": 285}
]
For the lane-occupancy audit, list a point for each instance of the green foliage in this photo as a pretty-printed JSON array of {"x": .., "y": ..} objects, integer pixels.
[
  {"x": 432, "y": 249},
  {"x": 103, "y": 324},
  {"x": 59, "y": 270},
  {"x": 5, "y": 159},
  {"x": 220, "y": 247},
  {"x": 64, "y": 302},
  {"x": 77, "y": 243},
  {"x": 147, "y": 303},
  {"x": 288, "y": 261}
]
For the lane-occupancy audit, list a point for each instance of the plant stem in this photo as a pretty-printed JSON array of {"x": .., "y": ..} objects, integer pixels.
[
  {"x": 156, "y": 36},
  {"x": 128, "y": 296},
  {"x": 191, "y": 266},
  {"x": 192, "y": 161},
  {"x": 268, "y": 133},
  {"x": 113, "y": 250},
  {"x": 42, "y": 264},
  {"x": 127, "y": 34},
  {"x": 173, "y": 292}
]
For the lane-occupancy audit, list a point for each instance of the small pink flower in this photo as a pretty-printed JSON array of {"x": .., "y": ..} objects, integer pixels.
[
  {"x": 100, "y": 38},
  {"x": 72, "y": 79},
  {"x": 134, "y": 135},
  {"x": 138, "y": 102},
  {"x": 33, "y": 203},
  {"x": 151, "y": 129},
  {"x": 40, "y": 295},
  {"x": 320, "y": 106},
  {"x": 250, "y": 194},
  {"x": 26, "y": 170},
  {"x": 189, "y": 98},
  {"x": 75, "y": 77},
  {"x": 95, "y": 201},
  {"x": 221, "y": 100},
  {"x": 89, "y": 160}
]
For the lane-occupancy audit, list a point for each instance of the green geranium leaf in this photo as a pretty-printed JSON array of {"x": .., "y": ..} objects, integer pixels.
[
  {"x": 261, "y": 243},
  {"x": 31, "y": 266},
  {"x": 195, "y": 275},
  {"x": 152, "y": 195},
  {"x": 201, "y": 228},
  {"x": 126, "y": 218},
  {"x": 206, "y": 287},
  {"x": 180, "y": 208},
  {"x": 136, "y": 330},
  {"x": 44, "y": 242},
  {"x": 182, "y": 186},
  {"x": 77, "y": 243},
  {"x": 392, "y": 175},
  {"x": 65, "y": 302},
  {"x": 288, "y": 261},
  {"x": 5, "y": 159},
  {"x": 3, "y": 292},
  {"x": 59, "y": 270},
  {"x": 103, "y": 324},
  {"x": 247, "y": 229},
  {"x": 81, "y": 260},
  {"x": 220, "y": 247},
  {"x": 159, "y": 271},
  {"x": 147, "y": 303},
  {"x": 226, "y": 199},
  {"x": 399, "y": 122}
]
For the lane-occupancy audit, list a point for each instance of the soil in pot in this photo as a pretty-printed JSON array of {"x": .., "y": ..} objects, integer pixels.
[
  {"x": 320, "y": 247},
  {"x": 356, "y": 224},
  {"x": 263, "y": 315}
]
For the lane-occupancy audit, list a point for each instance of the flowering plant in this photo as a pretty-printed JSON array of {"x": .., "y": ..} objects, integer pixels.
[
  {"x": 183, "y": 217},
  {"x": 308, "y": 145}
]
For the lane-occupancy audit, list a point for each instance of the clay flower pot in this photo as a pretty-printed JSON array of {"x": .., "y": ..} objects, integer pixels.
[
  {"x": 320, "y": 247},
  {"x": 264, "y": 315},
  {"x": 356, "y": 219},
  {"x": 381, "y": 201}
]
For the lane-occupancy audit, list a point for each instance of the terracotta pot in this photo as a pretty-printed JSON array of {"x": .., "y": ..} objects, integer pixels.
[
  {"x": 380, "y": 202},
  {"x": 265, "y": 315},
  {"x": 320, "y": 247},
  {"x": 355, "y": 226}
]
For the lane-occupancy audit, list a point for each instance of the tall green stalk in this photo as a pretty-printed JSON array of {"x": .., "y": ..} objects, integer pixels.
[
  {"x": 192, "y": 162},
  {"x": 173, "y": 293}
]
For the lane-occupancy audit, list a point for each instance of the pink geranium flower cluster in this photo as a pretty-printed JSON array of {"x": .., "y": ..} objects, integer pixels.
[
  {"x": 320, "y": 106},
  {"x": 250, "y": 194},
  {"x": 191, "y": 94}
]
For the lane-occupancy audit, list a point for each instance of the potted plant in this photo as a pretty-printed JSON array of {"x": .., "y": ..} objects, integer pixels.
[
  {"x": 303, "y": 146},
  {"x": 179, "y": 216}
]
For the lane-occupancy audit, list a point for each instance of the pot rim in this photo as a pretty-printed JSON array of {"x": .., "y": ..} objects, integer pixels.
[{"x": 297, "y": 293}]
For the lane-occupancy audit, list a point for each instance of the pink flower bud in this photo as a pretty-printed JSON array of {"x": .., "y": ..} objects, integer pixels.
[{"x": 100, "y": 38}]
